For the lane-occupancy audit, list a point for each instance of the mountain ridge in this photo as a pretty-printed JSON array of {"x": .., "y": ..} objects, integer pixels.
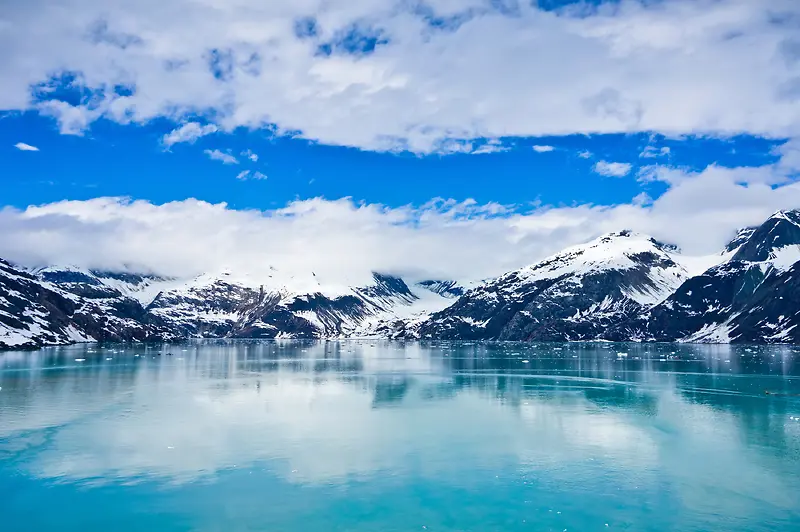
[{"x": 621, "y": 286}]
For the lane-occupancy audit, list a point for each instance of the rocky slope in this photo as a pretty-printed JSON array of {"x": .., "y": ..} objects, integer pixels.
[
  {"x": 41, "y": 310},
  {"x": 223, "y": 307},
  {"x": 62, "y": 305},
  {"x": 573, "y": 295},
  {"x": 746, "y": 298}
]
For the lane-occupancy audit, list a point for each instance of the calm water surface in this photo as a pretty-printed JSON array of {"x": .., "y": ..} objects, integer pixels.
[{"x": 378, "y": 436}]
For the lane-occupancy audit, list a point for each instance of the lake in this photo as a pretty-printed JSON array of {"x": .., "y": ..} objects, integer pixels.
[{"x": 383, "y": 436}]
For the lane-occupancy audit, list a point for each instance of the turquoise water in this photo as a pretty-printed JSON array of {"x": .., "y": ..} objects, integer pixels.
[{"x": 378, "y": 436}]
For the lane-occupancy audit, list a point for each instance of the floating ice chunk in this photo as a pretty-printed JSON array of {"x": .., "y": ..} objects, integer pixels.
[
  {"x": 525, "y": 361},
  {"x": 80, "y": 359},
  {"x": 622, "y": 355}
]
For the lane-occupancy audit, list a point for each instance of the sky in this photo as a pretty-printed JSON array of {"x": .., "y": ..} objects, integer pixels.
[{"x": 443, "y": 138}]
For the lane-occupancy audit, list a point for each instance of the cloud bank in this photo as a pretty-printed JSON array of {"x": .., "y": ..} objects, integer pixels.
[
  {"x": 343, "y": 241},
  {"x": 408, "y": 75}
]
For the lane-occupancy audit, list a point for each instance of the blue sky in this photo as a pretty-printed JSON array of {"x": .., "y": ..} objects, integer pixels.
[
  {"x": 130, "y": 161},
  {"x": 675, "y": 118}
]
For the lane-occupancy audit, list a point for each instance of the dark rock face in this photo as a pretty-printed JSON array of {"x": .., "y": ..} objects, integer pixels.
[
  {"x": 31, "y": 314},
  {"x": 443, "y": 288},
  {"x": 780, "y": 230},
  {"x": 772, "y": 313},
  {"x": 36, "y": 311},
  {"x": 740, "y": 238},
  {"x": 387, "y": 286},
  {"x": 699, "y": 302}
]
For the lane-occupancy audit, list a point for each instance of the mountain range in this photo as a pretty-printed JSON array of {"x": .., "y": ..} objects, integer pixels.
[{"x": 622, "y": 286}]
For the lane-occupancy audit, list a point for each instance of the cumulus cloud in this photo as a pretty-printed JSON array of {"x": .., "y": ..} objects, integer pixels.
[
  {"x": 72, "y": 119},
  {"x": 25, "y": 147},
  {"x": 224, "y": 158},
  {"x": 543, "y": 148},
  {"x": 343, "y": 240},
  {"x": 243, "y": 175},
  {"x": 389, "y": 75},
  {"x": 585, "y": 154},
  {"x": 612, "y": 169},
  {"x": 259, "y": 175},
  {"x": 189, "y": 132}
]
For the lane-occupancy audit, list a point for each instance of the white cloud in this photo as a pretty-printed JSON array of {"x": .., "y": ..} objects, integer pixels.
[
  {"x": 189, "y": 132},
  {"x": 25, "y": 147},
  {"x": 224, "y": 158},
  {"x": 344, "y": 240},
  {"x": 250, "y": 155},
  {"x": 643, "y": 198},
  {"x": 543, "y": 149},
  {"x": 72, "y": 119},
  {"x": 685, "y": 66},
  {"x": 612, "y": 169},
  {"x": 585, "y": 154},
  {"x": 246, "y": 174},
  {"x": 651, "y": 152},
  {"x": 491, "y": 146}
]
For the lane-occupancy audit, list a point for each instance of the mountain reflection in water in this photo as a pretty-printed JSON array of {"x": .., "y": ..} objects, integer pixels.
[{"x": 643, "y": 437}]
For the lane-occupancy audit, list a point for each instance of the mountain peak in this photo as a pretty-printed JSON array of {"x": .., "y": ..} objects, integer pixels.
[
  {"x": 742, "y": 235},
  {"x": 779, "y": 231},
  {"x": 789, "y": 215},
  {"x": 627, "y": 234}
]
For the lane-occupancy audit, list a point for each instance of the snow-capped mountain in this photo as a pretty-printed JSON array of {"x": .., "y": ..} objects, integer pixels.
[
  {"x": 224, "y": 307},
  {"x": 57, "y": 305},
  {"x": 622, "y": 286},
  {"x": 749, "y": 297},
  {"x": 573, "y": 295}
]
